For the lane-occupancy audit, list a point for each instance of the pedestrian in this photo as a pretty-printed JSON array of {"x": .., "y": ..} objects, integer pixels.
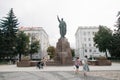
[
  {"x": 40, "y": 64},
  {"x": 85, "y": 65},
  {"x": 44, "y": 61},
  {"x": 77, "y": 64}
]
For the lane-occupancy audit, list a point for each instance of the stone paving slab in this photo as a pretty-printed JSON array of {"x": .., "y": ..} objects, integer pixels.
[{"x": 59, "y": 75}]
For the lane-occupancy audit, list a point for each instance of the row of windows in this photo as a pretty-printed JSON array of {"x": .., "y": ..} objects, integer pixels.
[
  {"x": 89, "y": 33},
  {"x": 89, "y": 39},
  {"x": 86, "y": 39},
  {"x": 88, "y": 45},
  {"x": 90, "y": 50}
]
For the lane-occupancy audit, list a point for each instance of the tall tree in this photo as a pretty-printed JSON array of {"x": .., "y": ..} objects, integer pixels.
[
  {"x": 1, "y": 43},
  {"x": 34, "y": 47},
  {"x": 51, "y": 51},
  {"x": 9, "y": 28},
  {"x": 103, "y": 39},
  {"x": 118, "y": 22},
  {"x": 115, "y": 50},
  {"x": 22, "y": 44},
  {"x": 73, "y": 52}
]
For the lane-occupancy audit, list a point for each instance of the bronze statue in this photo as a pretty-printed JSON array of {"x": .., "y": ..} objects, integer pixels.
[{"x": 62, "y": 26}]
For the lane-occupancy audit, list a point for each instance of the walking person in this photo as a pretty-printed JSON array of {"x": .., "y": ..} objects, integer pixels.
[
  {"x": 44, "y": 60},
  {"x": 85, "y": 65},
  {"x": 40, "y": 64},
  {"x": 77, "y": 64}
]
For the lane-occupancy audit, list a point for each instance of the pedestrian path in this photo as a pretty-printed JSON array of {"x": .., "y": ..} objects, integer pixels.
[
  {"x": 58, "y": 75},
  {"x": 12, "y": 72},
  {"x": 114, "y": 66}
]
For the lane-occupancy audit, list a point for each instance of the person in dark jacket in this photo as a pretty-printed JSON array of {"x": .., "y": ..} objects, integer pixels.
[{"x": 40, "y": 64}]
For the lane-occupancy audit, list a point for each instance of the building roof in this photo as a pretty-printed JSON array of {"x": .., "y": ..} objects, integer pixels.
[
  {"x": 29, "y": 28},
  {"x": 86, "y": 27}
]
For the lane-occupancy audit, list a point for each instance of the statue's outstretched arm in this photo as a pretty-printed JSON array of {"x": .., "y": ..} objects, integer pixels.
[{"x": 58, "y": 18}]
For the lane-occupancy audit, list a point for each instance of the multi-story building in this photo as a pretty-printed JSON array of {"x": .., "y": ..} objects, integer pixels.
[
  {"x": 39, "y": 34},
  {"x": 85, "y": 44}
]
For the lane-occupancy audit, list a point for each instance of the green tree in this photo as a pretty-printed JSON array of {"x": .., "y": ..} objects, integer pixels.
[
  {"x": 118, "y": 22},
  {"x": 34, "y": 47},
  {"x": 9, "y": 28},
  {"x": 51, "y": 51},
  {"x": 22, "y": 44},
  {"x": 103, "y": 39},
  {"x": 73, "y": 52},
  {"x": 115, "y": 50},
  {"x": 1, "y": 44}
]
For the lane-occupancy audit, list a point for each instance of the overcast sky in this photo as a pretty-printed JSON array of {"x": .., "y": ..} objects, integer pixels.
[{"x": 43, "y": 13}]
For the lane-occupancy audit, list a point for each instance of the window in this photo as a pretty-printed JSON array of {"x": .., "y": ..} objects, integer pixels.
[
  {"x": 94, "y": 45},
  {"x": 88, "y": 39},
  {"x": 94, "y": 50},
  {"x": 85, "y": 50},
  {"x": 84, "y": 39},
  {"x": 90, "y": 50},
  {"x": 84, "y": 33},
  {"x": 93, "y": 33},
  {"x": 85, "y": 45},
  {"x": 89, "y": 45},
  {"x": 88, "y": 33}
]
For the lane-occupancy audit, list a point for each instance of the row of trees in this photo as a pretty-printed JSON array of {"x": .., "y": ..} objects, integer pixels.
[
  {"x": 12, "y": 41},
  {"x": 109, "y": 41}
]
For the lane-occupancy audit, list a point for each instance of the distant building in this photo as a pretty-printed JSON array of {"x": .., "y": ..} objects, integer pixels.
[
  {"x": 84, "y": 42},
  {"x": 39, "y": 34}
]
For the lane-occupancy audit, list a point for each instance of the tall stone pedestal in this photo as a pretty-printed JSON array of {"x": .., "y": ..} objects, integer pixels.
[{"x": 63, "y": 52}]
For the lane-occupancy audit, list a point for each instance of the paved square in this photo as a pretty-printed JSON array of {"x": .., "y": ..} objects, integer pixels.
[
  {"x": 57, "y": 75},
  {"x": 12, "y": 72}
]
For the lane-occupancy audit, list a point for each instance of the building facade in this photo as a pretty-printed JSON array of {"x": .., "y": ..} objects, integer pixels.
[
  {"x": 85, "y": 44},
  {"x": 39, "y": 34}
]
